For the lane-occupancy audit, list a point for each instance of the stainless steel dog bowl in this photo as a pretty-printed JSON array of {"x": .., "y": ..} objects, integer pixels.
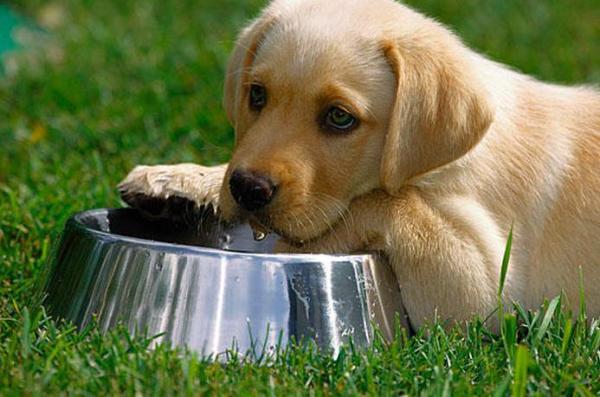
[{"x": 214, "y": 288}]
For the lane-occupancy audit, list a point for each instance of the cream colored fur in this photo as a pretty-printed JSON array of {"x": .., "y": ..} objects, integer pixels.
[{"x": 452, "y": 150}]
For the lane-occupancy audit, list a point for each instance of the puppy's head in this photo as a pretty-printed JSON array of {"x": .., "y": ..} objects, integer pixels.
[{"x": 330, "y": 100}]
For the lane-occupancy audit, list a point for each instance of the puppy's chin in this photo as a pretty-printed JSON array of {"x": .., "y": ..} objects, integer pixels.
[
  {"x": 299, "y": 227},
  {"x": 297, "y": 223}
]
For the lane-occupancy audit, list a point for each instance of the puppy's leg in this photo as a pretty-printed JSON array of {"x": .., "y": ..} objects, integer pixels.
[
  {"x": 173, "y": 190},
  {"x": 442, "y": 272}
]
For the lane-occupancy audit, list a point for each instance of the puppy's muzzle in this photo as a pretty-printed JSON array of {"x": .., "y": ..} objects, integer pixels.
[{"x": 251, "y": 190}]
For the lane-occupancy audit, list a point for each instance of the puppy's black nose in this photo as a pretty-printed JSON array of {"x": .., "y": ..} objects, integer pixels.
[{"x": 250, "y": 190}]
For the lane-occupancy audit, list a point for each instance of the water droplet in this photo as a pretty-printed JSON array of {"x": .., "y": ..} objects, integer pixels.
[
  {"x": 224, "y": 241},
  {"x": 236, "y": 279},
  {"x": 259, "y": 235},
  {"x": 258, "y": 230}
]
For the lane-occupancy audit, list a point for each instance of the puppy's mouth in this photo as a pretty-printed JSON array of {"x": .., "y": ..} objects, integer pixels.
[
  {"x": 262, "y": 225},
  {"x": 297, "y": 226},
  {"x": 262, "y": 228}
]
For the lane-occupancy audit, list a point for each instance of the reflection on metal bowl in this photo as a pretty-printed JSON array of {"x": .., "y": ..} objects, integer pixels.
[{"x": 214, "y": 288}]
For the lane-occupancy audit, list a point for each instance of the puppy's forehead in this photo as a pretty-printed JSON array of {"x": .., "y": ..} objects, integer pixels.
[{"x": 314, "y": 51}]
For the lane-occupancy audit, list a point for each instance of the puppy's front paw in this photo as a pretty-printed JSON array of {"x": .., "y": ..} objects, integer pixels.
[{"x": 173, "y": 191}]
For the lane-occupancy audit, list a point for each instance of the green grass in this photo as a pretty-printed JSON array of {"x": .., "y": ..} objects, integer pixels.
[{"x": 140, "y": 82}]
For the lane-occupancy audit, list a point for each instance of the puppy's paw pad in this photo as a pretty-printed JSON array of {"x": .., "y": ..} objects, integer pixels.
[
  {"x": 177, "y": 209},
  {"x": 153, "y": 206}
]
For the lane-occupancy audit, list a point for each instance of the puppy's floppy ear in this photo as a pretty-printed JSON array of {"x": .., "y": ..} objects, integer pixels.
[
  {"x": 441, "y": 110},
  {"x": 241, "y": 59}
]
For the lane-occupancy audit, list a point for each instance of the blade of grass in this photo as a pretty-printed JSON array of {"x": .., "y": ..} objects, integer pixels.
[
  {"x": 507, "y": 323},
  {"x": 554, "y": 303},
  {"x": 519, "y": 386},
  {"x": 505, "y": 261},
  {"x": 509, "y": 334},
  {"x": 26, "y": 335},
  {"x": 502, "y": 388},
  {"x": 567, "y": 337}
]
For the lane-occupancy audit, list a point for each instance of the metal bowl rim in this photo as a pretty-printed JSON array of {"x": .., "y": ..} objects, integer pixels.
[{"x": 75, "y": 221}]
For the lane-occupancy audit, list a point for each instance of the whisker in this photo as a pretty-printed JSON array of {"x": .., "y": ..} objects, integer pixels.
[{"x": 342, "y": 211}]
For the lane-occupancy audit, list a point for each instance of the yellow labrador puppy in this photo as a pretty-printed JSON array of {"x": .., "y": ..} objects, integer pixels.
[{"x": 363, "y": 125}]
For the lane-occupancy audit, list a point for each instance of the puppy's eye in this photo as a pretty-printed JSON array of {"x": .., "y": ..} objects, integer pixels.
[
  {"x": 340, "y": 120},
  {"x": 258, "y": 97}
]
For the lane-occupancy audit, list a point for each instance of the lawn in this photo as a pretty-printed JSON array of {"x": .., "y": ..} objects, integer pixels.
[{"x": 128, "y": 82}]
